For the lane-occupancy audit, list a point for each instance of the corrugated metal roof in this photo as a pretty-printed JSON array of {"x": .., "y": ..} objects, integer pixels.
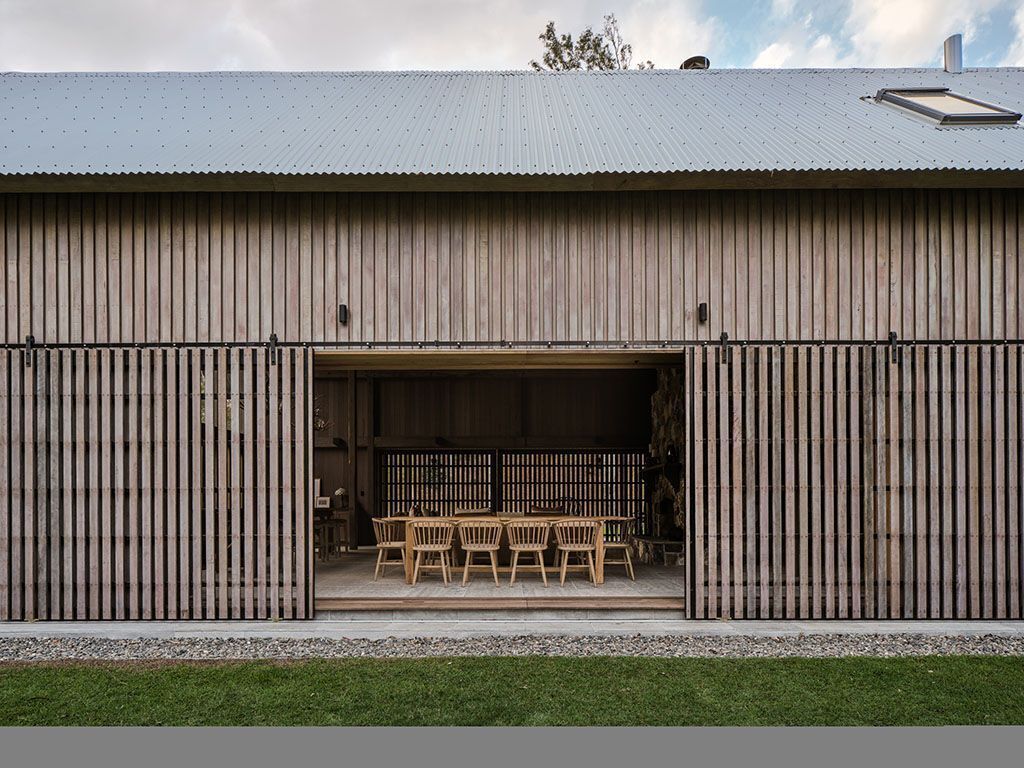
[{"x": 493, "y": 122}]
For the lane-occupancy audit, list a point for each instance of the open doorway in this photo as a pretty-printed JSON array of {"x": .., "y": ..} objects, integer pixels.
[{"x": 466, "y": 441}]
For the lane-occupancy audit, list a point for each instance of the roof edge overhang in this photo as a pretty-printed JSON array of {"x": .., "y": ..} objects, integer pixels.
[{"x": 598, "y": 182}]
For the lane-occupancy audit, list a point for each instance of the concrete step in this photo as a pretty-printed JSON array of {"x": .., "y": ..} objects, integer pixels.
[
  {"x": 521, "y": 615},
  {"x": 546, "y": 608}
]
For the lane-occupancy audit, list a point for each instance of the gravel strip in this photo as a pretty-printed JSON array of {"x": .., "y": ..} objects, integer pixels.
[{"x": 63, "y": 649}]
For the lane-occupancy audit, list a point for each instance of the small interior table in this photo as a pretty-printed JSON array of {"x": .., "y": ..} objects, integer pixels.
[{"x": 329, "y": 533}]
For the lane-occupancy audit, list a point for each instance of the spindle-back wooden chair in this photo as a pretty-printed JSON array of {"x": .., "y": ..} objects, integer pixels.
[
  {"x": 432, "y": 537},
  {"x": 480, "y": 536},
  {"x": 390, "y": 535},
  {"x": 576, "y": 537},
  {"x": 618, "y": 537},
  {"x": 529, "y": 537},
  {"x": 466, "y": 512}
]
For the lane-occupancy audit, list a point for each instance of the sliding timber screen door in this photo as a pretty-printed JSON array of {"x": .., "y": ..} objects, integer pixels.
[
  {"x": 155, "y": 483},
  {"x": 855, "y": 481}
]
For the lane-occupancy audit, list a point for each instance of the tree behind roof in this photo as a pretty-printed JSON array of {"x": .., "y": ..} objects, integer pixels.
[{"x": 604, "y": 50}]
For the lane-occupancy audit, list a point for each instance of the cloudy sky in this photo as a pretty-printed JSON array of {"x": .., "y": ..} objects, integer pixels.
[{"x": 493, "y": 34}]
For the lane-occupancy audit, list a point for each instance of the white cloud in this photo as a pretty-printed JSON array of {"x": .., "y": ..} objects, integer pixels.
[
  {"x": 276, "y": 34},
  {"x": 774, "y": 56},
  {"x": 796, "y": 50},
  {"x": 1015, "y": 56},
  {"x": 874, "y": 33},
  {"x": 884, "y": 33},
  {"x": 668, "y": 32},
  {"x": 783, "y": 8},
  {"x": 328, "y": 34},
  {"x": 471, "y": 34}
]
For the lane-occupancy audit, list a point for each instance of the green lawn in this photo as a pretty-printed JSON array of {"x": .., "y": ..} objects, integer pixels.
[{"x": 522, "y": 691}]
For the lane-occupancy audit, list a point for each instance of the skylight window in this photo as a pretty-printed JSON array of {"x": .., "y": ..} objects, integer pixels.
[{"x": 948, "y": 108}]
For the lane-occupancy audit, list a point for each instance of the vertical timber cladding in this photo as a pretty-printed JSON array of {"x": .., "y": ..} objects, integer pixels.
[
  {"x": 155, "y": 483},
  {"x": 855, "y": 481},
  {"x": 595, "y": 267}
]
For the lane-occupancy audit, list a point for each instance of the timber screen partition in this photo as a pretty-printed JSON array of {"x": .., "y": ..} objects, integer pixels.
[
  {"x": 155, "y": 482},
  {"x": 854, "y": 481},
  {"x": 589, "y": 482},
  {"x": 437, "y": 481}
]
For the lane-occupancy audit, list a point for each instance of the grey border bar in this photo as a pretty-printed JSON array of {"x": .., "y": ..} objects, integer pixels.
[{"x": 496, "y": 747}]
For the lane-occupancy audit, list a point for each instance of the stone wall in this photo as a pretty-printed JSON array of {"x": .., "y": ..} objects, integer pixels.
[{"x": 667, "y": 427}]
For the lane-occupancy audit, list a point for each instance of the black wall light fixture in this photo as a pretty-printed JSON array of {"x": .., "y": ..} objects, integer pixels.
[
  {"x": 343, "y": 314},
  {"x": 702, "y": 312}
]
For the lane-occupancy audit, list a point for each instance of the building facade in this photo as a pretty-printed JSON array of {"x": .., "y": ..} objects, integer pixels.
[{"x": 839, "y": 348}]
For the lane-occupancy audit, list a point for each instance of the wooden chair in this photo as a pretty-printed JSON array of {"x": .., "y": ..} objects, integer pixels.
[
  {"x": 528, "y": 536},
  {"x": 435, "y": 514},
  {"x": 479, "y": 536},
  {"x": 464, "y": 512},
  {"x": 390, "y": 535},
  {"x": 430, "y": 538},
  {"x": 576, "y": 537},
  {"x": 546, "y": 510},
  {"x": 618, "y": 537}
]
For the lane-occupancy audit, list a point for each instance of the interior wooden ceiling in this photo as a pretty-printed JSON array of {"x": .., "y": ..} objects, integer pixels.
[{"x": 330, "y": 362}]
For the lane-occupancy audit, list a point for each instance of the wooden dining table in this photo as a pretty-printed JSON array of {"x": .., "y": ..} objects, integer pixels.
[{"x": 410, "y": 556}]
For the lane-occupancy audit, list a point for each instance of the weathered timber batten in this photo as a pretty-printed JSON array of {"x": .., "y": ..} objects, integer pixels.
[
  {"x": 853, "y": 482},
  {"x": 155, "y": 483},
  {"x": 599, "y": 267}
]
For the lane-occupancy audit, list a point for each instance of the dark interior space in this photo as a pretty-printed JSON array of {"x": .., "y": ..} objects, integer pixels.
[{"x": 361, "y": 416}]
